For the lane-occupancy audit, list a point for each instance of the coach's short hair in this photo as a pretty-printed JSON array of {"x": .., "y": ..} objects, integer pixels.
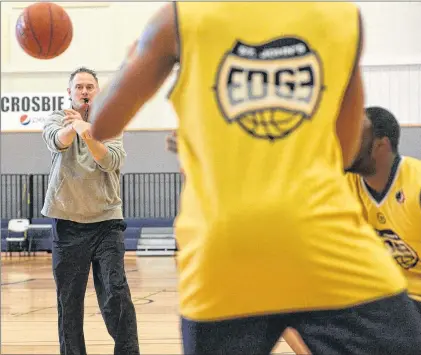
[
  {"x": 83, "y": 70},
  {"x": 384, "y": 125}
]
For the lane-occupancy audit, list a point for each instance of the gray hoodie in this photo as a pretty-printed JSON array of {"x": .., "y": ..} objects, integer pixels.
[{"x": 80, "y": 189}]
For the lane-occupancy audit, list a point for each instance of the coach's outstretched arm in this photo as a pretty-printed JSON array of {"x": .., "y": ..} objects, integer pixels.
[
  {"x": 56, "y": 135},
  {"x": 139, "y": 79},
  {"x": 114, "y": 156}
]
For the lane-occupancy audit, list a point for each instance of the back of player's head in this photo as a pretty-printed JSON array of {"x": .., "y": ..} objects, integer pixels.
[{"x": 384, "y": 125}]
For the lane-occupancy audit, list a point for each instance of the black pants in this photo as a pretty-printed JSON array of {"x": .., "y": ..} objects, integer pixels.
[
  {"x": 418, "y": 305},
  {"x": 389, "y": 326},
  {"x": 75, "y": 247}
]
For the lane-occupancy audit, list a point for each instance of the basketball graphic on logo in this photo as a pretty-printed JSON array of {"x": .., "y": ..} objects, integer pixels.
[{"x": 25, "y": 120}]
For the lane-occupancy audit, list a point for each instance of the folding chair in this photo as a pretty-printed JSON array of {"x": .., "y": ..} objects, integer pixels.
[{"x": 17, "y": 226}]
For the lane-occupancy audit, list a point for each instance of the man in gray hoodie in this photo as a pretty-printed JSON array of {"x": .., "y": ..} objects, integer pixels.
[{"x": 83, "y": 199}]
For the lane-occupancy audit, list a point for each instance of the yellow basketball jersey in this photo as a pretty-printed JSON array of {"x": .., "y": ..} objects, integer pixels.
[
  {"x": 396, "y": 216},
  {"x": 267, "y": 223}
]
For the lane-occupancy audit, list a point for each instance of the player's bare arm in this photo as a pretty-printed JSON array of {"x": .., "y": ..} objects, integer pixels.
[
  {"x": 349, "y": 125},
  {"x": 139, "y": 79}
]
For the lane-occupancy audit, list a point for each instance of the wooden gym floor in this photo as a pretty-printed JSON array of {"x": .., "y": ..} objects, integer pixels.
[{"x": 29, "y": 314}]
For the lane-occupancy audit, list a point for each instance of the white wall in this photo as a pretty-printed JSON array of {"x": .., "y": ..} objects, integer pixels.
[
  {"x": 392, "y": 32},
  {"x": 392, "y": 57},
  {"x": 396, "y": 87},
  {"x": 104, "y": 30}
]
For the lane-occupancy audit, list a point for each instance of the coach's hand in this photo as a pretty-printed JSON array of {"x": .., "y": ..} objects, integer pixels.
[
  {"x": 71, "y": 116},
  {"x": 171, "y": 142},
  {"x": 82, "y": 128}
]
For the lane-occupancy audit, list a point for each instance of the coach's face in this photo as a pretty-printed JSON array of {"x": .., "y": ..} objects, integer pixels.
[
  {"x": 365, "y": 164},
  {"x": 83, "y": 86}
]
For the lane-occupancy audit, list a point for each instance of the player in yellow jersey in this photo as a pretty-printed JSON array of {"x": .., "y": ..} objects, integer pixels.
[
  {"x": 270, "y": 104},
  {"x": 388, "y": 185}
]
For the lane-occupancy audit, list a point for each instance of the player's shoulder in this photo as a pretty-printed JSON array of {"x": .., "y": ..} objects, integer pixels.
[
  {"x": 352, "y": 178},
  {"x": 412, "y": 161},
  {"x": 353, "y": 181},
  {"x": 412, "y": 175},
  {"x": 412, "y": 166}
]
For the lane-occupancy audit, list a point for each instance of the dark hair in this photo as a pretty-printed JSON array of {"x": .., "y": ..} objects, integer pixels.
[
  {"x": 384, "y": 125},
  {"x": 83, "y": 70}
]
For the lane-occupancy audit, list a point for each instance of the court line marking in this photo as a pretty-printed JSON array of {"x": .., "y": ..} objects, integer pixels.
[
  {"x": 30, "y": 312},
  {"x": 17, "y": 282},
  {"x": 134, "y": 300}
]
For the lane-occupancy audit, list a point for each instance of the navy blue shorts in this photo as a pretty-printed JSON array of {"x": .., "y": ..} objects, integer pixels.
[
  {"x": 389, "y": 326},
  {"x": 418, "y": 305}
]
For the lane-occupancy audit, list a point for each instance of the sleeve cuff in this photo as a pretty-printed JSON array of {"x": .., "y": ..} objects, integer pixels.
[
  {"x": 106, "y": 160},
  {"x": 60, "y": 147}
]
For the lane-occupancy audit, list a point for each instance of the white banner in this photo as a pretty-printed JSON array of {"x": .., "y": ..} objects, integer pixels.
[{"x": 28, "y": 111}]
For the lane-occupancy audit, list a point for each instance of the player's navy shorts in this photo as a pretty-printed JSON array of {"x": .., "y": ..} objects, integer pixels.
[
  {"x": 389, "y": 326},
  {"x": 418, "y": 305}
]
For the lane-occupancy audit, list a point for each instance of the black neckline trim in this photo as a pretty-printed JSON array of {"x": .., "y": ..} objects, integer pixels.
[{"x": 379, "y": 196}]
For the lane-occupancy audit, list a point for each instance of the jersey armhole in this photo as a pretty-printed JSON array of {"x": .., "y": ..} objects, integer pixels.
[
  {"x": 354, "y": 64},
  {"x": 177, "y": 31},
  {"x": 179, "y": 49},
  {"x": 359, "y": 46},
  {"x": 358, "y": 53},
  {"x": 419, "y": 199}
]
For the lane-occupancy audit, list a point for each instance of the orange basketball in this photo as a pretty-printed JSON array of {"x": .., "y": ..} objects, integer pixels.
[{"x": 44, "y": 30}]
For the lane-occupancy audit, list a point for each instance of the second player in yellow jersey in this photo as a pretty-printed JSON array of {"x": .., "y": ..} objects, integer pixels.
[{"x": 388, "y": 185}]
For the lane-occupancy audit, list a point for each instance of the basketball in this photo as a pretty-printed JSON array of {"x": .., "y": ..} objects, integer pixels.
[{"x": 44, "y": 30}]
